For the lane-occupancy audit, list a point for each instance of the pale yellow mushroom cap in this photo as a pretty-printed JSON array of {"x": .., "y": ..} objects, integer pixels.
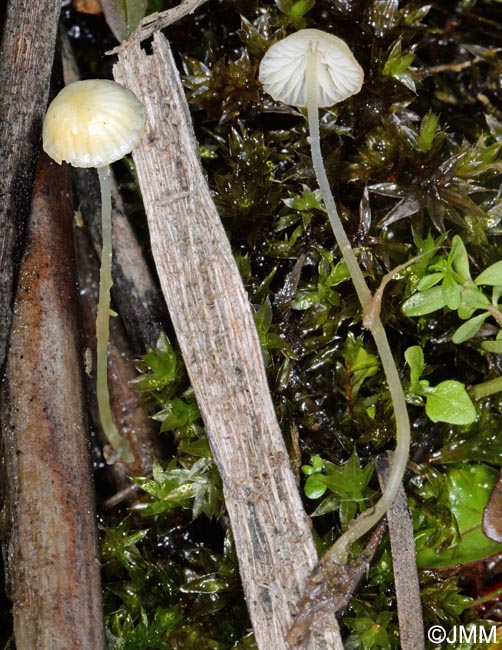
[
  {"x": 283, "y": 69},
  {"x": 93, "y": 123}
]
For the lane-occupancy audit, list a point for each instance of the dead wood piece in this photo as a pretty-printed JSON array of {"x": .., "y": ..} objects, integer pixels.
[
  {"x": 52, "y": 556},
  {"x": 409, "y": 605},
  {"x": 28, "y": 43},
  {"x": 215, "y": 329},
  {"x": 329, "y": 590}
]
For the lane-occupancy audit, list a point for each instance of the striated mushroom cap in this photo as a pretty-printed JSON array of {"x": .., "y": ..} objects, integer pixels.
[
  {"x": 283, "y": 69},
  {"x": 93, "y": 123}
]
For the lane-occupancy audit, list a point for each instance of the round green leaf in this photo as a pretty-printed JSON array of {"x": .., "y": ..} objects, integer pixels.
[{"x": 449, "y": 402}]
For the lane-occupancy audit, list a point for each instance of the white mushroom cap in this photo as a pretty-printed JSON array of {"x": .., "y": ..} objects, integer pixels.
[
  {"x": 93, "y": 123},
  {"x": 283, "y": 69}
]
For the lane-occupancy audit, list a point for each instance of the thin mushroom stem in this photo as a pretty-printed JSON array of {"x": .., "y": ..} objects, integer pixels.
[
  {"x": 365, "y": 521},
  {"x": 120, "y": 445}
]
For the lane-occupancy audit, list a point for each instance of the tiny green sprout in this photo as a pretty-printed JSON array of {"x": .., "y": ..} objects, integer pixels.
[
  {"x": 449, "y": 284},
  {"x": 446, "y": 402},
  {"x": 345, "y": 487},
  {"x": 295, "y": 9},
  {"x": 398, "y": 65},
  {"x": 428, "y": 129}
]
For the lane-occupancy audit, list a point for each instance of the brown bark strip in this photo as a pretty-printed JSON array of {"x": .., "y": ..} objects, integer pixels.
[
  {"x": 28, "y": 44},
  {"x": 402, "y": 543},
  {"x": 214, "y": 325},
  {"x": 52, "y": 557}
]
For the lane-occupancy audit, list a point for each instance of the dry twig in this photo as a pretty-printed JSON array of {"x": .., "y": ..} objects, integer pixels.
[
  {"x": 159, "y": 20},
  {"x": 216, "y": 333},
  {"x": 409, "y": 606}
]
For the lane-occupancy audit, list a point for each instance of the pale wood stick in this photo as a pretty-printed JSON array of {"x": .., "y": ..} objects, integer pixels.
[
  {"x": 216, "y": 333},
  {"x": 402, "y": 543}
]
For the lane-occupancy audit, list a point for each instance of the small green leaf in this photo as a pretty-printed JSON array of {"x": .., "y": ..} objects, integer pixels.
[
  {"x": 428, "y": 129},
  {"x": 211, "y": 583},
  {"x": 495, "y": 347},
  {"x": 424, "y": 302},
  {"x": 429, "y": 281},
  {"x": 314, "y": 489},
  {"x": 451, "y": 292},
  {"x": 177, "y": 413},
  {"x": 309, "y": 200},
  {"x": 123, "y": 16},
  {"x": 415, "y": 359},
  {"x": 449, "y": 402},
  {"x": 360, "y": 364},
  {"x": 295, "y": 9},
  {"x": 459, "y": 259},
  {"x": 491, "y": 275},
  {"x": 469, "y": 329},
  {"x": 398, "y": 66},
  {"x": 472, "y": 299}
]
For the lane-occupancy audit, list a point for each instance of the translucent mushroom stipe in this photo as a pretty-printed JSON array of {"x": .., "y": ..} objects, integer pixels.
[
  {"x": 94, "y": 123},
  {"x": 313, "y": 69}
]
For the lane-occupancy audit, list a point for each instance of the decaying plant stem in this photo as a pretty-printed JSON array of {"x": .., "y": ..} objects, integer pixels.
[
  {"x": 402, "y": 542},
  {"x": 52, "y": 556},
  {"x": 216, "y": 333},
  {"x": 25, "y": 70}
]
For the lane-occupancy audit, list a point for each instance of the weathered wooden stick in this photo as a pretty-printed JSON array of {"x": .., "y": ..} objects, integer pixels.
[
  {"x": 216, "y": 333},
  {"x": 52, "y": 556},
  {"x": 28, "y": 43},
  {"x": 402, "y": 543}
]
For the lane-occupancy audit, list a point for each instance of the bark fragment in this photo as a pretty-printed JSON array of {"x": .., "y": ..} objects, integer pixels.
[
  {"x": 28, "y": 44},
  {"x": 52, "y": 558}
]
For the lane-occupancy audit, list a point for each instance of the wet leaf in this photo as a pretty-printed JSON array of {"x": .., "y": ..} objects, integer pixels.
[
  {"x": 424, "y": 302},
  {"x": 123, "y": 16},
  {"x": 469, "y": 488},
  {"x": 449, "y": 402}
]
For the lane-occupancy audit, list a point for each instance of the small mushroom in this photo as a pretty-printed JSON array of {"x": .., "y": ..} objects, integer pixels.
[
  {"x": 313, "y": 69},
  {"x": 92, "y": 124}
]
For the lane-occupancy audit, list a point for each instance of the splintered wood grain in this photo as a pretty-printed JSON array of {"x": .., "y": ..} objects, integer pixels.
[
  {"x": 214, "y": 325},
  {"x": 52, "y": 557},
  {"x": 26, "y": 55}
]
